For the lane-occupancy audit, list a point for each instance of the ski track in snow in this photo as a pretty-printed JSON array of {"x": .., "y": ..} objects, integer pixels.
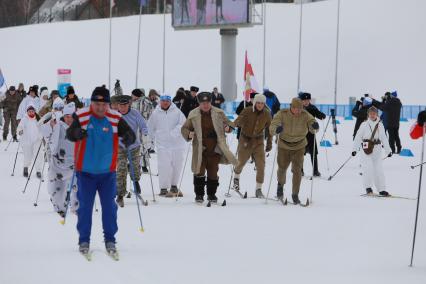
[{"x": 340, "y": 238}]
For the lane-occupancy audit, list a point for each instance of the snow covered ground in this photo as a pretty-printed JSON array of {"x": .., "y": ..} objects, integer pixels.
[{"x": 340, "y": 238}]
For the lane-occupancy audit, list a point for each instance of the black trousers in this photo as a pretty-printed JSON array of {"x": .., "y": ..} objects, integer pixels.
[
  {"x": 310, "y": 149},
  {"x": 394, "y": 139}
]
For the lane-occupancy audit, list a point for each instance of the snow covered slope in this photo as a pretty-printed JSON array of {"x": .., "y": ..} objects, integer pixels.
[
  {"x": 382, "y": 48},
  {"x": 341, "y": 238}
]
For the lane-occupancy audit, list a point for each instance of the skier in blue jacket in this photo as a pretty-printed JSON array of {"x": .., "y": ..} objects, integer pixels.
[{"x": 96, "y": 130}]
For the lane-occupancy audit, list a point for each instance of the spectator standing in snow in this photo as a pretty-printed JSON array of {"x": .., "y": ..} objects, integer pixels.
[
  {"x": 72, "y": 97},
  {"x": 217, "y": 98},
  {"x": 10, "y": 109}
]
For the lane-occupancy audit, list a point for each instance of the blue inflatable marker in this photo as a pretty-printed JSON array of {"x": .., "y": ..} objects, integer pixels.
[
  {"x": 403, "y": 119},
  {"x": 406, "y": 153},
  {"x": 325, "y": 143},
  {"x": 349, "y": 117},
  {"x": 337, "y": 121}
]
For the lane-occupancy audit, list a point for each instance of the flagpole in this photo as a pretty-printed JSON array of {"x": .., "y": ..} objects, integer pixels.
[
  {"x": 164, "y": 44},
  {"x": 139, "y": 43},
  {"x": 110, "y": 44},
  {"x": 300, "y": 46},
  {"x": 264, "y": 42},
  {"x": 337, "y": 54}
]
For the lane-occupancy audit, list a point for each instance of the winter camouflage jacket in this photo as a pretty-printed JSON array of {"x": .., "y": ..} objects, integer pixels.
[{"x": 144, "y": 106}]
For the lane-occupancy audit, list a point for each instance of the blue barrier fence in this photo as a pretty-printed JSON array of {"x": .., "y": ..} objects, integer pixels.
[{"x": 407, "y": 111}]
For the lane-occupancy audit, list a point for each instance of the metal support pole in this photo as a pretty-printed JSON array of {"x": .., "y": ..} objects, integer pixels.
[
  {"x": 164, "y": 46},
  {"x": 264, "y": 42},
  {"x": 300, "y": 45},
  {"x": 139, "y": 44},
  {"x": 337, "y": 54},
  {"x": 228, "y": 63},
  {"x": 110, "y": 44}
]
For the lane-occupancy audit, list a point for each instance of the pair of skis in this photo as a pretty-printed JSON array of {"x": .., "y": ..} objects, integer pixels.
[
  {"x": 113, "y": 254},
  {"x": 376, "y": 195}
]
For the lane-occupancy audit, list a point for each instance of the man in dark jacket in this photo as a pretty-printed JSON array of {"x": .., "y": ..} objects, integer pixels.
[
  {"x": 391, "y": 108},
  {"x": 179, "y": 97},
  {"x": 360, "y": 111},
  {"x": 10, "y": 110},
  {"x": 190, "y": 102},
  {"x": 72, "y": 97},
  {"x": 217, "y": 98},
  {"x": 271, "y": 101},
  {"x": 316, "y": 113}
]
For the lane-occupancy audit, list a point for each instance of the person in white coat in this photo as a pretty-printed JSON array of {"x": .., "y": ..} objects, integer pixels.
[
  {"x": 61, "y": 158},
  {"x": 31, "y": 99},
  {"x": 31, "y": 140},
  {"x": 372, "y": 167},
  {"x": 164, "y": 127}
]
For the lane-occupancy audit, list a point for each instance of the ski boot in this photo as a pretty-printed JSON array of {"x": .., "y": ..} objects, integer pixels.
[
  {"x": 236, "y": 185},
  {"x": 295, "y": 198},
  {"x": 317, "y": 173},
  {"x": 25, "y": 172},
  {"x": 110, "y": 247},
  {"x": 384, "y": 193},
  {"x": 15, "y": 139},
  {"x": 129, "y": 195},
  {"x": 259, "y": 193},
  {"x": 212, "y": 198},
  {"x": 61, "y": 213},
  {"x": 369, "y": 191},
  {"x": 280, "y": 191},
  {"x": 145, "y": 170},
  {"x": 138, "y": 188},
  {"x": 84, "y": 248},
  {"x": 151, "y": 151},
  {"x": 120, "y": 201},
  {"x": 174, "y": 192},
  {"x": 199, "y": 198},
  {"x": 4, "y": 138},
  {"x": 163, "y": 192},
  {"x": 38, "y": 174}
]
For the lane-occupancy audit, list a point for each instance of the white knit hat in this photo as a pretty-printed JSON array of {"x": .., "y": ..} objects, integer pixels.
[
  {"x": 58, "y": 103},
  {"x": 69, "y": 108},
  {"x": 259, "y": 98}
]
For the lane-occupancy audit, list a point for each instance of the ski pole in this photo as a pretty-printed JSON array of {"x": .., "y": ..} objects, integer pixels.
[
  {"x": 313, "y": 166},
  {"x": 16, "y": 157},
  {"x": 132, "y": 172},
  {"x": 325, "y": 129},
  {"x": 418, "y": 196},
  {"x": 232, "y": 176},
  {"x": 41, "y": 180},
  {"x": 272, "y": 173},
  {"x": 332, "y": 176},
  {"x": 8, "y": 144},
  {"x": 326, "y": 153},
  {"x": 148, "y": 163},
  {"x": 183, "y": 171},
  {"x": 418, "y": 165},
  {"x": 32, "y": 168}
]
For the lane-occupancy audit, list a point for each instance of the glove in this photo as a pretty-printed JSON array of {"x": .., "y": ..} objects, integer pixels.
[
  {"x": 127, "y": 139},
  {"x": 315, "y": 125},
  {"x": 279, "y": 129},
  {"x": 268, "y": 147},
  {"x": 191, "y": 135},
  {"x": 353, "y": 153},
  {"x": 80, "y": 134},
  {"x": 421, "y": 118},
  {"x": 390, "y": 155}
]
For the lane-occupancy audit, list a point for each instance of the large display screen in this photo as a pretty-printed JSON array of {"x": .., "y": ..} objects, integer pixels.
[{"x": 210, "y": 13}]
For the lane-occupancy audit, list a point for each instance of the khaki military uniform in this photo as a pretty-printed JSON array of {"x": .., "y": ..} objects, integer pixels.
[
  {"x": 10, "y": 107},
  {"x": 253, "y": 125},
  {"x": 291, "y": 143}
]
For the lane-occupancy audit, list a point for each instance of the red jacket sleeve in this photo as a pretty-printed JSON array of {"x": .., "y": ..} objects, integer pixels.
[{"x": 416, "y": 131}]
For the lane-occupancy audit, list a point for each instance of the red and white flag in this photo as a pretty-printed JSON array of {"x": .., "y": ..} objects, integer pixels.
[{"x": 250, "y": 82}]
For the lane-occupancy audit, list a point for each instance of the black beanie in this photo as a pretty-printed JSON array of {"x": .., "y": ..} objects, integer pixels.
[
  {"x": 100, "y": 94},
  {"x": 70, "y": 90},
  {"x": 137, "y": 93}
]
